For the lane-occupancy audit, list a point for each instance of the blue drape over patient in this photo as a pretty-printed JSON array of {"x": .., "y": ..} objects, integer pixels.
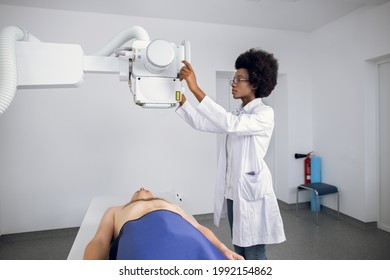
[{"x": 162, "y": 235}]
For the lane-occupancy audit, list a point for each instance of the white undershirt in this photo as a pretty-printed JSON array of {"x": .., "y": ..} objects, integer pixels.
[{"x": 229, "y": 173}]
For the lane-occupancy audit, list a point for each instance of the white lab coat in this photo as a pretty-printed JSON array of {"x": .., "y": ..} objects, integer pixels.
[{"x": 256, "y": 215}]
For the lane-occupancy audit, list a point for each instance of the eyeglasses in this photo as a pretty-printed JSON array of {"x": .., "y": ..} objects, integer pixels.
[{"x": 237, "y": 80}]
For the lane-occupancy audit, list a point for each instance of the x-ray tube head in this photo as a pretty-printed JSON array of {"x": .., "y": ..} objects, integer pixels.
[
  {"x": 154, "y": 74},
  {"x": 151, "y": 68}
]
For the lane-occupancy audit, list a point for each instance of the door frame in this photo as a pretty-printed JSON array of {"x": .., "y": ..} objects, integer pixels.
[{"x": 380, "y": 224}]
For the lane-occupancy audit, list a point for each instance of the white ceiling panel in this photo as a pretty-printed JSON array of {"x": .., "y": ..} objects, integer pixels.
[{"x": 294, "y": 15}]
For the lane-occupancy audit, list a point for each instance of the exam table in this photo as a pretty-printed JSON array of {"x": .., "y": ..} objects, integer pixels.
[{"x": 92, "y": 218}]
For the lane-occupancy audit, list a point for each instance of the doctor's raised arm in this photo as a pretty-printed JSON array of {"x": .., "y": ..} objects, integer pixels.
[{"x": 212, "y": 117}]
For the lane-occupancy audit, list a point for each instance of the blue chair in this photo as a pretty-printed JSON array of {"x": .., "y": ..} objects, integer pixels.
[{"x": 320, "y": 189}]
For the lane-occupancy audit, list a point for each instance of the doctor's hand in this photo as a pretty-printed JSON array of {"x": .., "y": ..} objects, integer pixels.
[{"x": 187, "y": 73}]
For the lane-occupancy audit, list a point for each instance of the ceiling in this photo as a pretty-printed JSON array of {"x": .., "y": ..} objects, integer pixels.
[{"x": 293, "y": 15}]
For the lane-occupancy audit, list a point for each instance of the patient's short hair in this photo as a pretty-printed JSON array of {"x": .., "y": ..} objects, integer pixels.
[{"x": 262, "y": 68}]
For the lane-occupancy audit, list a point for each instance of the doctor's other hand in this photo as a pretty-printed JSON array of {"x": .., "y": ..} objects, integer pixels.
[
  {"x": 183, "y": 99},
  {"x": 187, "y": 73}
]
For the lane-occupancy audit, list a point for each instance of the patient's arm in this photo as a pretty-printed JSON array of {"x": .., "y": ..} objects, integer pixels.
[
  {"x": 98, "y": 248},
  {"x": 210, "y": 236}
]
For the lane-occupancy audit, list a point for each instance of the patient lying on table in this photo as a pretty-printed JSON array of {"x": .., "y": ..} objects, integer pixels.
[{"x": 155, "y": 229}]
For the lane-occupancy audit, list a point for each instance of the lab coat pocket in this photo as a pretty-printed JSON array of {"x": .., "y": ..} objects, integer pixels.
[{"x": 251, "y": 186}]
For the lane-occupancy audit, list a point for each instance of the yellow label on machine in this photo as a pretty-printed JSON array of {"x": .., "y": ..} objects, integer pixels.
[{"x": 178, "y": 95}]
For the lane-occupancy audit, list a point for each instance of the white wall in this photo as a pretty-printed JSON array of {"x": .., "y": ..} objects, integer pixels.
[
  {"x": 344, "y": 108},
  {"x": 61, "y": 147}
]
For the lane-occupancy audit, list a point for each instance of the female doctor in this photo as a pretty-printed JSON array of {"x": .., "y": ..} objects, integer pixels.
[{"x": 243, "y": 189}]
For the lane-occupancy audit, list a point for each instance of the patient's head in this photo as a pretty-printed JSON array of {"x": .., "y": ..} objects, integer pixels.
[{"x": 142, "y": 194}]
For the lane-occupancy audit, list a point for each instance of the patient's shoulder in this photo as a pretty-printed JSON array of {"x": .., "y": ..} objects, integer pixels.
[{"x": 112, "y": 210}]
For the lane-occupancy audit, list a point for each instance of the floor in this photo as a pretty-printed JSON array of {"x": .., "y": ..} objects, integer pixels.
[{"x": 346, "y": 239}]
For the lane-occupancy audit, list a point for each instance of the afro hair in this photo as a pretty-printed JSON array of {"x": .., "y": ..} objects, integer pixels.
[{"x": 262, "y": 68}]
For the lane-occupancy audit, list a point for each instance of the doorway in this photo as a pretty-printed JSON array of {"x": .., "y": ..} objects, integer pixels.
[{"x": 384, "y": 147}]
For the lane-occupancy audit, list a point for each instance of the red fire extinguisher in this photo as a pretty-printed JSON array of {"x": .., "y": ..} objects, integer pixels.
[{"x": 307, "y": 166}]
